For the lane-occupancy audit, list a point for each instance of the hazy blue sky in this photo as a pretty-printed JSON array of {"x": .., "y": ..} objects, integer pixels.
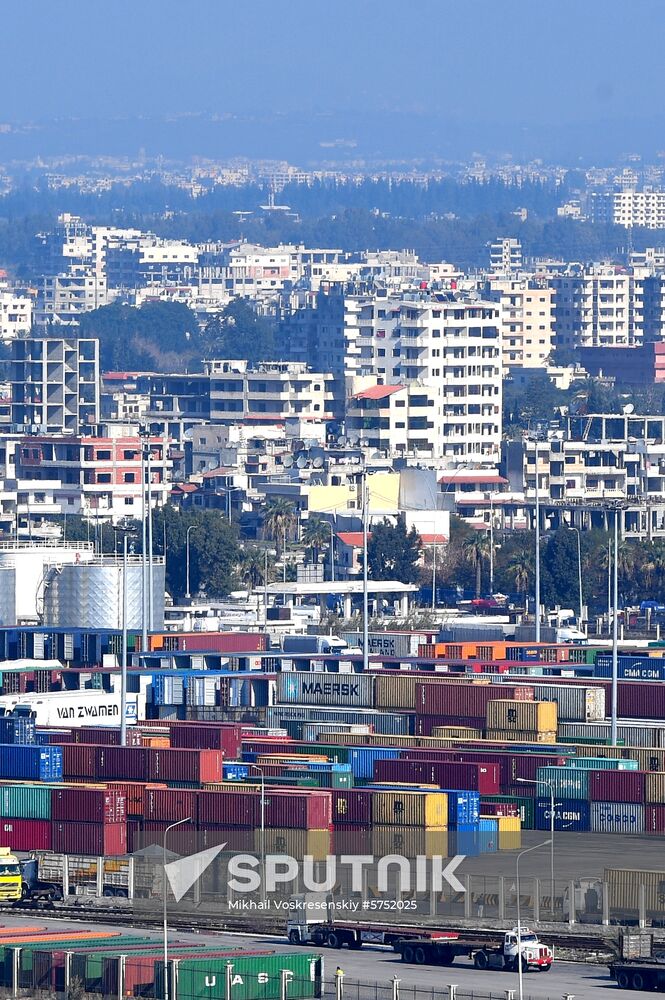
[{"x": 520, "y": 60}]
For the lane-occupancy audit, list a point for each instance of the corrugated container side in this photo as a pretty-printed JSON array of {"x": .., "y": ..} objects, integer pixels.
[
  {"x": 617, "y": 817},
  {"x": 448, "y": 774},
  {"x": 312, "y": 688},
  {"x": 26, "y": 834},
  {"x": 191, "y": 766},
  {"x": 465, "y": 700},
  {"x": 523, "y": 716},
  {"x": 123, "y": 763},
  {"x": 227, "y": 738},
  {"x": 170, "y": 804},
  {"x": 407, "y": 841},
  {"x": 89, "y": 805},
  {"x": 352, "y": 805},
  {"x": 617, "y": 786},
  {"x": 566, "y": 782},
  {"x": 654, "y": 818},
  {"x": 573, "y": 815},
  {"x": 25, "y": 801},
  {"x": 31, "y": 762},
  {"x": 299, "y": 809},
  {"x": 97, "y": 839},
  {"x": 426, "y": 810},
  {"x": 655, "y": 787},
  {"x": 222, "y": 808}
]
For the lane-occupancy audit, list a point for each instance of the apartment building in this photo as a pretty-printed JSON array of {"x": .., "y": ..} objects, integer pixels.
[
  {"x": 598, "y": 306},
  {"x": 55, "y": 384},
  {"x": 15, "y": 315},
  {"x": 506, "y": 255},
  {"x": 272, "y": 392},
  {"x": 528, "y": 320},
  {"x": 397, "y": 420}
]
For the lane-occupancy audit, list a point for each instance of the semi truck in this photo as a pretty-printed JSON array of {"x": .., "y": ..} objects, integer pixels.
[
  {"x": 640, "y": 965},
  {"x": 20, "y": 880},
  {"x": 425, "y": 947}
]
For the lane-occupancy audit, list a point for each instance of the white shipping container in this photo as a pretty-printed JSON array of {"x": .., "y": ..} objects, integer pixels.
[
  {"x": 576, "y": 704},
  {"x": 78, "y": 708},
  {"x": 202, "y": 691},
  {"x": 639, "y": 735},
  {"x": 617, "y": 817}
]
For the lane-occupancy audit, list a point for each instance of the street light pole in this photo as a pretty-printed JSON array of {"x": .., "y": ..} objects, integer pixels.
[
  {"x": 615, "y": 633},
  {"x": 123, "y": 662},
  {"x": 258, "y": 768},
  {"x": 537, "y": 580},
  {"x": 491, "y": 544},
  {"x": 541, "y": 781},
  {"x": 165, "y": 914},
  {"x": 579, "y": 571},
  {"x": 144, "y": 544},
  {"x": 192, "y": 527},
  {"x": 151, "y": 596},
  {"x": 434, "y": 573},
  {"x": 365, "y": 514},
  {"x": 527, "y": 850},
  {"x": 332, "y": 552}
]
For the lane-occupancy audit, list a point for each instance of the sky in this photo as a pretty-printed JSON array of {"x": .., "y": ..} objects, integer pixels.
[{"x": 520, "y": 63}]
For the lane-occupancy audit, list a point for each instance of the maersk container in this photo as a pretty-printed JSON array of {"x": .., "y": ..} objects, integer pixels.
[
  {"x": 22, "y": 762},
  {"x": 573, "y": 815},
  {"x": 566, "y": 782},
  {"x": 362, "y": 759},
  {"x": 393, "y": 645},
  {"x": 617, "y": 817},
  {"x": 25, "y": 801},
  {"x": 251, "y": 978},
  {"x": 312, "y": 688},
  {"x": 617, "y": 786}
]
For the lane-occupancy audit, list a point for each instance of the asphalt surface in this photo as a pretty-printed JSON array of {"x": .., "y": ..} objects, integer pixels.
[{"x": 375, "y": 964}]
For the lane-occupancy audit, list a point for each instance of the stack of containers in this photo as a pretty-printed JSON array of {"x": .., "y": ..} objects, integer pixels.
[
  {"x": 462, "y": 704},
  {"x": 17, "y": 728},
  {"x": 409, "y": 822},
  {"x": 525, "y": 721},
  {"x": 89, "y": 821}
]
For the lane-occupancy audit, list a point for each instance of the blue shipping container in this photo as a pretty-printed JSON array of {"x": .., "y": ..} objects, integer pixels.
[
  {"x": 464, "y": 840},
  {"x": 463, "y": 807},
  {"x": 235, "y": 772},
  {"x": 30, "y": 763},
  {"x": 632, "y": 668},
  {"x": 573, "y": 815},
  {"x": 362, "y": 759}
]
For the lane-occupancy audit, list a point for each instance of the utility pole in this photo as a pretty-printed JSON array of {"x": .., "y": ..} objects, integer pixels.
[
  {"x": 615, "y": 625},
  {"x": 151, "y": 610},
  {"x": 537, "y": 580},
  {"x": 123, "y": 668},
  {"x": 144, "y": 544},
  {"x": 365, "y": 515}
]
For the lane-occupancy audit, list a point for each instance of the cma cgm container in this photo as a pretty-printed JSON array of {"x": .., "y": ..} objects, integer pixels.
[
  {"x": 617, "y": 817},
  {"x": 637, "y": 668},
  {"x": 99, "y": 839},
  {"x": 313, "y": 688},
  {"x": 573, "y": 815},
  {"x": 88, "y": 805},
  {"x": 30, "y": 763},
  {"x": 617, "y": 786}
]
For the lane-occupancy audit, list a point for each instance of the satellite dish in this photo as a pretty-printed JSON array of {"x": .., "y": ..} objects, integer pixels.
[
  {"x": 287, "y": 461},
  {"x": 311, "y": 443},
  {"x": 628, "y": 408},
  {"x": 318, "y": 462},
  {"x": 298, "y": 445},
  {"x": 301, "y": 461},
  {"x": 364, "y": 443},
  {"x": 342, "y": 442}
]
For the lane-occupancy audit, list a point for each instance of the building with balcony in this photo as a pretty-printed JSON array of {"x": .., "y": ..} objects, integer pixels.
[{"x": 55, "y": 385}]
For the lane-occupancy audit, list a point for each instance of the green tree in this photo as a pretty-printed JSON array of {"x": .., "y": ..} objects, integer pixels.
[
  {"x": 159, "y": 336},
  {"x": 213, "y": 546},
  {"x": 316, "y": 535},
  {"x": 393, "y": 553},
  {"x": 559, "y": 569},
  {"x": 477, "y": 551},
  {"x": 279, "y": 519},
  {"x": 252, "y": 567},
  {"x": 240, "y": 332}
]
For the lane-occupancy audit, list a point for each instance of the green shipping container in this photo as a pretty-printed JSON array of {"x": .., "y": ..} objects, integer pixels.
[
  {"x": 25, "y": 801},
  {"x": 257, "y": 978},
  {"x": 525, "y": 805}
]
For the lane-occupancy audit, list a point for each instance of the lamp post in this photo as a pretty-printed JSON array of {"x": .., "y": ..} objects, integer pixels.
[
  {"x": 151, "y": 589},
  {"x": 615, "y": 634},
  {"x": 165, "y": 914},
  {"x": 192, "y": 527},
  {"x": 521, "y": 854},
  {"x": 144, "y": 544},
  {"x": 365, "y": 514},
  {"x": 579, "y": 570},
  {"x": 123, "y": 654},
  {"x": 332, "y": 551},
  {"x": 537, "y": 554},
  {"x": 532, "y": 781},
  {"x": 258, "y": 768}
]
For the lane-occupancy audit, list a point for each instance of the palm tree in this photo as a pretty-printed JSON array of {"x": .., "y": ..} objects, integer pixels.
[
  {"x": 252, "y": 567},
  {"x": 520, "y": 568},
  {"x": 476, "y": 551},
  {"x": 315, "y": 535},
  {"x": 278, "y": 521}
]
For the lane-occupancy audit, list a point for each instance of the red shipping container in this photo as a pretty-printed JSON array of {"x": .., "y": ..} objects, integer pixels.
[
  {"x": 617, "y": 786},
  {"x": 424, "y": 724},
  {"x": 102, "y": 840},
  {"x": 79, "y": 761},
  {"x": 26, "y": 834},
  {"x": 88, "y": 805},
  {"x": 228, "y": 808},
  {"x": 641, "y": 700},
  {"x": 195, "y": 735},
  {"x": 107, "y": 736},
  {"x": 446, "y": 774},
  {"x": 298, "y": 809},
  {"x": 134, "y": 792},
  {"x": 133, "y": 834},
  {"x": 191, "y": 766},
  {"x": 182, "y": 839},
  {"x": 122, "y": 763},
  {"x": 170, "y": 804},
  {"x": 465, "y": 701},
  {"x": 219, "y": 642},
  {"x": 351, "y": 806},
  {"x": 499, "y": 809},
  {"x": 654, "y": 819}
]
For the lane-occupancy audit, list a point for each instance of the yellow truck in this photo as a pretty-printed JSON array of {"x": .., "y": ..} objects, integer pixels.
[{"x": 11, "y": 880}]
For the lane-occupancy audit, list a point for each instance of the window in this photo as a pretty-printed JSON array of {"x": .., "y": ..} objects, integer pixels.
[
  {"x": 129, "y": 501},
  {"x": 129, "y": 477}
]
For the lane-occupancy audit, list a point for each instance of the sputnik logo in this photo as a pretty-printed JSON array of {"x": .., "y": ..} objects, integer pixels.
[{"x": 183, "y": 873}]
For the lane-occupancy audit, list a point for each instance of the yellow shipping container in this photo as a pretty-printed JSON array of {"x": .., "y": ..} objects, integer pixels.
[
  {"x": 297, "y": 843},
  {"x": 427, "y": 810},
  {"x": 410, "y": 842},
  {"x": 517, "y": 736},
  {"x": 624, "y": 889},
  {"x": 510, "y": 833},
  {"x": 457, "y": 732},
  {"x": 655, "y": 787},
  {"x": 522, "y": 716}
]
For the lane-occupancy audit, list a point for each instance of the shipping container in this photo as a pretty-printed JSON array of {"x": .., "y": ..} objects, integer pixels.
[
  {"x": 296, "y": 843},
  {"x": 309, "y": 688},
  {"x": 426, "y": 810},
  {"x": 31, "y": 762},
  {"x": 617, "y": 786},
  {"x": 655, "y": 787},
  {"x": 637, "y": 668},
  {"x": 226, "y": 808},
  {"x": 522, "y": 716},
  {"x": 572, "y": 815},
  {"x": 362, "y": 759},
  {"x": 227, "y": 738},
  {"x": 408, "y": 842},
  {"x": 25, "y": 801},
  {"x": 602, "y": 764},
  {"x": 26, "y": 834},
  {"x": 546, "y": 738},
  {"x": 624, "y": 890},
  {"x": 170, "y": 804},
  {"x": 465, "y": 701},
  {"x": 617, "y": 817},
  {"x": 510, "y": 833},
  {"x": 352, "y": 805},
  {"x": 525, "y": 807},
  {"x": 483, "y": 778},
  {"x": 574, "y": 703},
  {"x": 88, "y": 805},
  {"x": 219, "y": 642},
  {"x": 566, "y": 782},
  {"x": 97, "y": 839},
  {"x": 190, "y": 766},
  {"x": 251, "y": 978},
  {"x": 298, "y": 809}
]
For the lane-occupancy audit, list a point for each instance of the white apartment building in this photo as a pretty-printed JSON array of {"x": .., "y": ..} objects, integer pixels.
[
  {"x": 63, "y": 298},
  {"x": 506, "y": 255},
  {"x": 528, "y": 321},
  {"x": 644, "y": 208},
  {"x": 15, "y": 315},
  {"x": 397, "y": 420},
  {"x": 598, "y": 306}
]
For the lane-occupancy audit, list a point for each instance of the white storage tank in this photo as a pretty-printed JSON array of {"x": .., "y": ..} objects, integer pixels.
[{"x": 89, "y": 595}]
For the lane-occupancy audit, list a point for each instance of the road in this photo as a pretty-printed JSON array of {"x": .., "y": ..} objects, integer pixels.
[{"x": 375, "y": 964}]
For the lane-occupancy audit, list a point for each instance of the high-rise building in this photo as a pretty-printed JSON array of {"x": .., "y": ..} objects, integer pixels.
[
  {"x": 55, "y": 385},
  {"x": 506, "y": 255}
]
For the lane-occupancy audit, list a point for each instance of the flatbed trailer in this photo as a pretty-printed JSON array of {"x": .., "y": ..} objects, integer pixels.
[
  {"x": 638, "y": 975},
  {"x": 354, "y": 934},
  {"x": 499, "y": 952}
]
